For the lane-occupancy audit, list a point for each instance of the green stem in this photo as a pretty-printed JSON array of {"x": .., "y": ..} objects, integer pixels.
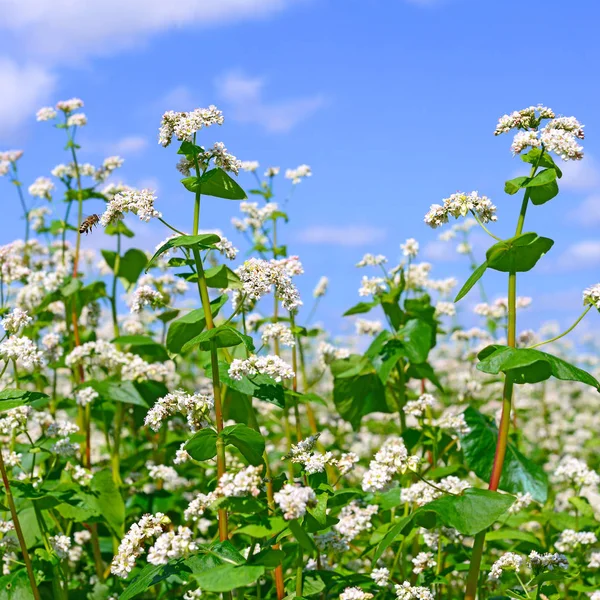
[
  {"x": 18, "y": 530},
  {"x": 299, "y": 566},
  {"x": 585, "y": 312}
]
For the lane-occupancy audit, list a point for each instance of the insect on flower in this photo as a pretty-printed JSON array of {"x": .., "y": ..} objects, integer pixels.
[{"x": 88, "y": 223}]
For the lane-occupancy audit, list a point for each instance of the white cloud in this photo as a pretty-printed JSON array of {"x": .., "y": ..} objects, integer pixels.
[
  {"x": 582, "y": 255},
  {"x": 244, "y": 95},
  {"x": 440, "y": 251},
  {"x": 580, "y": 174},
  {"x": 335, "y": 235},
  {"x": 70, "y": 31},
  {"x": 131, "y": 144},
  {"x": 24, "y": 89},
  {"x": 587, "y": 214}
]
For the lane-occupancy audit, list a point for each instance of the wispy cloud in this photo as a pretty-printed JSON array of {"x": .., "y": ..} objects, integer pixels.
[
  {"x": 580, "y": 174},
  {"x": 341, "y": 235},
  {"x": 587, "y": 214},
  {"x": 579, "y": 256},
  {"x": 24, "y": 89},
  {"x": 245, "y": 96}
]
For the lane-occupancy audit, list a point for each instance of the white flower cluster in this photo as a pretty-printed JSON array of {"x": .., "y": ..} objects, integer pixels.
[
  {"x": 367, "y": 327},
  {"x": 423, "y": 561},
  {"x": 172, "y": 545},
  {"x": 278, "y": 331},
  {"x": 327, "y": 353},
  {"x": 576, "y": 472},
  {"x": 16, "y": 320},
  {"x": 259, "y": 276},
  {"x": 23, "y": 350},
  {"x": 460, "y": 205},
  {"x": 245, "y": 482},
  {"x": 293, "y": 500},
  {"x": 507, "y": 562},
  {"x": 372, "y": 260},
  {"x": 406, "y": 591},
  {"x": 299, "y": 173},
  {"x": 132, "y": 545},
  {"x": 392, "y": 458},
  {"x": 85, "y": 395},
  {"x": 591, "y": 295},
  {"x": 522, "y": 501},
  {"x": 61, "y": 545},
  {"x": 354, "y": 593},
  {"x": 354, "y": 519},
  {"x": 321, "y": 287},
  {"x": 315, "y": 462},
  {"x": 79, "y": 474},
  {"x": 421, "y": 493},
  {"x": 183, "y": 125},
  {"x": 499, "y": 308},
  {"x": 195, "y": 407},
  {"x": 417, "y": 408},
  {"x": 547, "y": 562},
  {"x": 450, "y": 419},
  {"x": 250, "y": 166},
  {"x": 68, "y": 106},
  {"x": 42, "y": 188},
  {"x": 139, "y": 202},
  {"x": 270, "y": 365},
  {"x": 410, "y": 248},
  {"x": 166, "y": 474},
  {"x": 144, "y": 295},
  {"x": 569, "y": 540},
  {"x": 255, "y": 216},
  {"x": 381, "y": 576},
  {"x": 371, "y": 286}
]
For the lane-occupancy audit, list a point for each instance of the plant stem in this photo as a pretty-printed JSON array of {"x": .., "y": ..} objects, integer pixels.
[
  {"x": 214, "y": 361},
  {"x": 473, "y": 576},
  {"x": 18, "y": 530},
  {"x": 585, "y": 312}
]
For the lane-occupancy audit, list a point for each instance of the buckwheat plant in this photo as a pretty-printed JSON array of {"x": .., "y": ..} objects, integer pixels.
[{"x": 179, "y": 421}]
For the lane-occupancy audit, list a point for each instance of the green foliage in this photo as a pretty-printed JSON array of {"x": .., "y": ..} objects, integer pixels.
[
  {"x": 517, "y": 254},
  {"x": 205, "y": 241},
  {"x": 215, "y": 182}
]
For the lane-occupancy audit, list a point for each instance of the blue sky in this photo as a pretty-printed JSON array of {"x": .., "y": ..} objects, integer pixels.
[{"x": 392, "y": 102}]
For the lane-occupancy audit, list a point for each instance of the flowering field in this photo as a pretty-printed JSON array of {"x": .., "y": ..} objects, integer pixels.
[{"x": 176, "y": 423}]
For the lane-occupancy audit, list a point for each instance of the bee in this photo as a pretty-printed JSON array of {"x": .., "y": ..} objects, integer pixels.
[{"x": 88, "y": 223}]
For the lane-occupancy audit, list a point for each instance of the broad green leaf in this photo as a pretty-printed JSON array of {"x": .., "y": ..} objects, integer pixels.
[
  {"x": 151, "y": 575},
  {"x": 131, "y": 265},
  {"x": 519, "y": 474},
  {"x": 13, "y": 398},
  {"x": 202, "y": 445},
  {"x": 223, "y": 336},
  {"x": 393, "y": 532},
  {"x": 357, "y": 389},
  {"x": 189, "y": 149},
  {"x": 215, "y": 182},
  {"x": 222, "y": 277},
  {"x": 519, "y": 253},
  {"x": 470, "y": 512},
  {"x": 225, "y": 578},
  {"x": 541, "y": 178},
  {"x": 360, "y": 308},
  {"x": 512, "y": 186},
  {"x": 473, "y": 279},
  {"x": 204, "y": 241},
  {"x": 528, "y": 365},
  {"x": 16, "y": 586},
  {"x": 273, "y": 527},
  {"x": 301, "y": 536},
  {"x": 417, "y": 338},
  {"x": 248, "y": 441},
  {"x": 535, "y": 157},
  {"x": 185, "y": 328},
  {"x": 143, "y": 346},
  {"x": 118, "y": 391},
  {"x": 117, "y": 228},
  {"x": 543, "y": 186},
  {"x": 512, "y": 534}
]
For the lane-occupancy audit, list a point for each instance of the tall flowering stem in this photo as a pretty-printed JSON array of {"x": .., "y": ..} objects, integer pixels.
[
  {"x": 18, "y": 530},
  {"x": 214, "y": 361},
  {"x": 503, "y": 430}
]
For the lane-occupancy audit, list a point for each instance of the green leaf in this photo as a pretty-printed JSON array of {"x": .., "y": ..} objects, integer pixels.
[
  {"x": 185, "y": 328},
  {"x": 223, "y": 336},
  {"x": 535, "y": 157},
  {"x": 512, "y": 534},
  {"x": 119, "y": 391},
  {"x": 16, "y": 586},
  {"x": 392, "y": 533},
  {"x": 476, "y": 275},
  {"x": 222, "y": 277},
  {"x": 225, "y": 578},
  {"x": 13, "y": 398},
  {"x": 301, "y": 536},
  {"x": 527, "y": 365},
  {"x": 519, "y": 474},
  {"x": 542, "y": 178},
  {"x": 117, "y": 228},
  {"x": 416, "y": 338},
  {"x": 543, "y": 186},
  {"x": 151, "y": 575},
  {"x": 512, "y": 186},
  {"x": 519, "y": 253},
  {"x": 215, "y": 182},
  {"x": 357, "y": 389},
  {"x": 470, "y": 512},
  {"x": 202, "y": 445},
  {"x": 131, "y": 265},
  {"x": 204, "y": 241},
  {"x": 189, "y": 149},
  {"x": 260, "y": 386},
  {"x": 248, "y": 441},
  {"x": 360, "y": 308},
  {"x": 144, "y": 346}
]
